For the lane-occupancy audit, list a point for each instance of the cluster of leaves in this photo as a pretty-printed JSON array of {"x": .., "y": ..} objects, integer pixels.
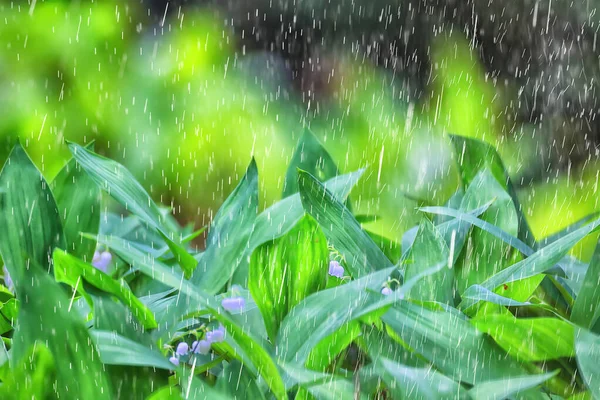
[{"x": 469, "y": 305}]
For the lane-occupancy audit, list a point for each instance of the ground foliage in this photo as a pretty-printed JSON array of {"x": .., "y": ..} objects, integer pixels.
[{"x": 294, "y": 301}]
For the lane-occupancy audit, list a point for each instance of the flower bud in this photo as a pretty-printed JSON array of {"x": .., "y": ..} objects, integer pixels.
[
  {"x": 182, "y": 349},
  {"x": 386, "y": 291},
  {"x": 336, "y": 269},
  {"x": 201, "y": 347},
  {"x": 233, "y": 303}
]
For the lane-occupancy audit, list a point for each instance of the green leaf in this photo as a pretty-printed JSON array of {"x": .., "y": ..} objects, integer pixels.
[
  {"x": 479, "y": 293},
  {"x": 530, "y": 339},
  {"x": 78, "y": 200},
  {"x": 115, "y": 349},
  {"x": 405, "y": 382},
  {"x": 322, "y": 313},
  {"x": 278, "y": 219},
  {"x": 254, "y": 353},
  {"x": 508, "y": 387},
  {"x": 360, "y": 252},
  {"x": 469, "y": 218},
  {"x": 238, "y": 383},
  {"x": 288, "y": 269},
  {"x": 586, "y": 309},
  {"x": 32, "y": 378},
  {"x": 451, "y": 343},
  {"x": 45, "y": 317},
  {"x": 428, "y": 250},
  {"x": 311, "y": 157},
  {"x": 486, "y": 254},
  {"x": 70, "y": 270},
  {"x": 29, "y": 209},
  {"x": 539, "y": 262},
  {"x": 587, "y": 348},
  {"x": 119, "y": 183},
  {"x": 474, "y": 155},
  {"x": 229, "y": 235}
]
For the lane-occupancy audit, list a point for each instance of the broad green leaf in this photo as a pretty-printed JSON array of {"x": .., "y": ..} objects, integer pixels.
[
  {"x": 113, "y": 316},
  {"x": 530, "y": 339},
  {"x": 285, "y": 271},
  {"x": 324, "y": 312},
  {"x": 539, "y": 262},
  {"x": 451, "y": 344},
  {"x": 479, "y": 293},
  {"x": 194, "y": 388},
  {"x": 29, "y": 217},
  {"x": 318, "y": 385},
  {"x": 485, "y": 254},
  {"x": 509, "y": 387},
  {"x": 229, "y": 235},
  {"x": 391, "y": 249},
  {"x": 254, "y": 353},
  {"x": 429, "y": 249},
  {"x": 119, "y": 183},
  {"x": 474, "y": 155},
  {"x": 361, "y": 254},
  {"x": 329, "y": 349},
  {"x": 311, "y": 157},
  {"x": 71, "y": 271},
  {"x": 379, "y": 344},
  {"x": 78, "y": 200},
  {"x": 32, "y": 377},
  {"x": 469, "y": 218},
  {"x": 278, "y": 219},
  {"x": 586, "y": 309},
  {"x": 238, "y": 383},
  {"x": 405, "y": 382},
  {"x": 118, "y": 350},
  {"x": 45, "y": 316},
  {"x": 587, "y": 348}
]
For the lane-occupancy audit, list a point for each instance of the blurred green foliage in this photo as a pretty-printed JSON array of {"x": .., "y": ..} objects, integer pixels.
[{"x": 172, "y": 98}]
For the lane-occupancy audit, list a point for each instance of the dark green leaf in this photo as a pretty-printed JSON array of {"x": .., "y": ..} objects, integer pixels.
[
  {"x": 118, "y": 182},
  {"x": 70, "y": 270},
  {"x": 361, "y": 254},
  {"x": 254, "y": 353},
  {"x": 29, "y": 217},
  {"x": 118, "y": 350},
  {"x": 417, "y": 383},
  {"x": 229, "y": 235},
  {"x": 586, "y": 309},
  {"x": 78, "y": 200},
  {"x": 45, "y": 316},
  {"x": 508, "y": 387},
  {"x": 311, "y": 157},
  {"x": 474, "y": 155},
  {"x": 451, "y": 343},
  {"x": 429, "y": 250},
  {"x": 587, "y": 348}
]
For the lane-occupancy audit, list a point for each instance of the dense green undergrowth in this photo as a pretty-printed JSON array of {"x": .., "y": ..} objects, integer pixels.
[{"x": 297, "y": 301}]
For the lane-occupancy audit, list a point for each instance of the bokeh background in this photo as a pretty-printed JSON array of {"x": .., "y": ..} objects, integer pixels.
[{"x": 168, "y": 93}]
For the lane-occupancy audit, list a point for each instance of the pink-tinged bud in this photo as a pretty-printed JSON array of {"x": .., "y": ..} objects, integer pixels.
[{"x": 233, "y": 303}]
